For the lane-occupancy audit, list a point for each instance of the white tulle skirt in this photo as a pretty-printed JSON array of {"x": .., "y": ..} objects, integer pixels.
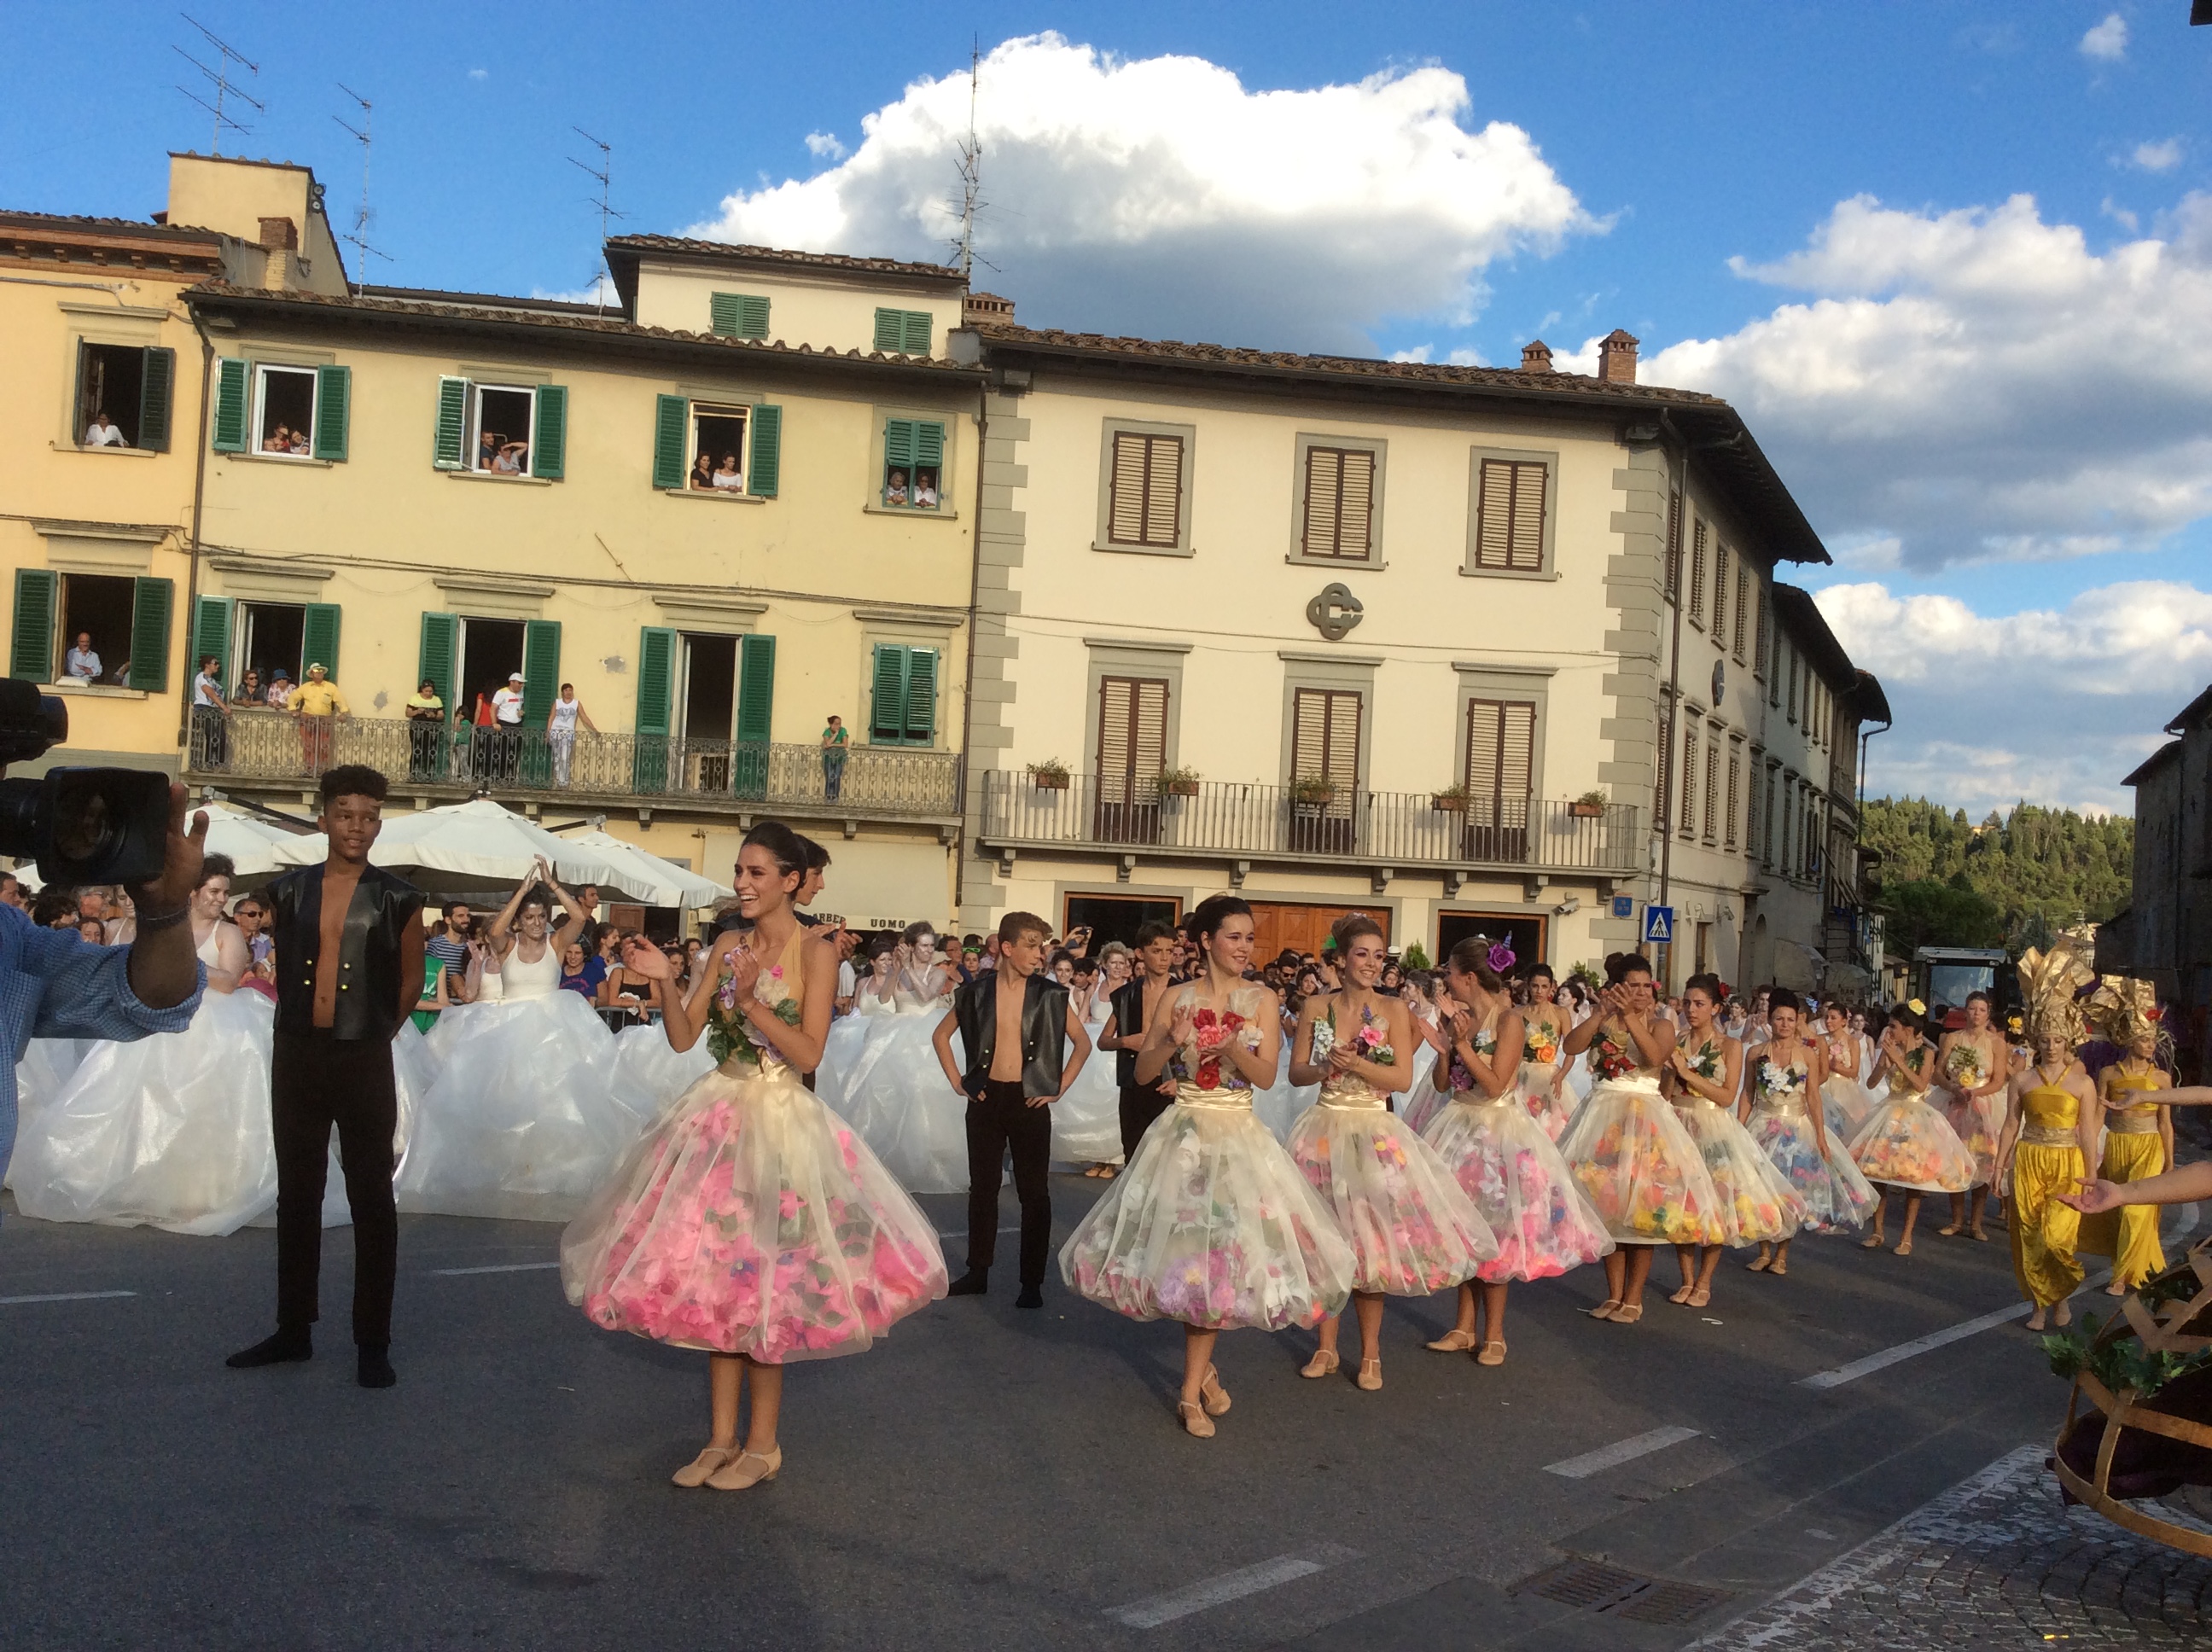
[
  {"x": 522, "y": 1121},
  {"x": 751, "y": 1219},
  {"x": 1835, "y": 1195},
  {"x": 1086, "y": 1122},
  {"x": 1757, "y": 1203},
  {"x": 1641, "y": 1169},
  {"x": 48, "y": 1064},
  {"x": 171, "y": 1130},
  {"x": 1505, "y": 1163},
  {"x": 1579, "y": 1083},
  {"x": 1213, "y": 1225},
  {"x": 846, "y": 1053},
  {"x": 1282, "y": 1104},
  {"x": 1413, "y": 1230},
  {"x": 1845, "y": 1105},
  {"x": 650, "y": 1073},
  {"x": 1907, "y": 1144},
  {"x": 896, "y": 1095}
]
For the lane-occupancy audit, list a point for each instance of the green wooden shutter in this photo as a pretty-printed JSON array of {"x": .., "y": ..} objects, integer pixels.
[
  {"x": 211, "y": 635},
  {"x": 319, "y": 639},
  {"x": 156, "y": 389},
  {"x": 333, "y": 406},
  {"x": 671, "y": 421},
  {"x": 448, "y": 446},
  {"x": 152, "y": 602},
  {"x": 921, "y": 696},
  {"x": 916, "y": 341},
  {"x": 31, "y": 640},
  {"x": 756, "y": 716},
  {"x": 437, "y": 657},
  {"x": 722, "y": 313},
  {"x": 541, "y": 669},
  {"x": 549, "y": 453},
  {"x": 890, "y": 332},
  {"x": 762, "y": 475},
  {"x": 739, "y": 315},
  {"x": 232, "y": 379},
  {"x": 929, "y": 444},
  {"x": 656, "y": 697},
  {"x": 887, "y": 699},
  {"x": 898, "y": 442}
]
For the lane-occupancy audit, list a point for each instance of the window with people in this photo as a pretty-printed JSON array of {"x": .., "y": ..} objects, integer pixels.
[
  {"x": 502, "y": 424},
  {"x": 718, "y": 446},
  {"x": 284, "y": 411},
  {"x": 913, "y": 461}
]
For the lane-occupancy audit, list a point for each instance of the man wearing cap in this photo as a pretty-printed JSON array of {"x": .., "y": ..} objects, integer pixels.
[
  {"x": 317, "y": 704},
  {"x": 506, "y": 711}
]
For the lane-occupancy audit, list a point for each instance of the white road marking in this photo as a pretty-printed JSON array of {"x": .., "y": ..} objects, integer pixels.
[
  {"x": 496, "y": 1268},
  {"x": 1231, "y": 1586},
  {"x": 1619, "y": 1452},
  {"x": 962, "y": 1233},
  {"x": 67, "y": 1295}
]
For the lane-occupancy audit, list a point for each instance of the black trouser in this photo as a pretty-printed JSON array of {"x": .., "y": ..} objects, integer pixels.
[
  {"x": 1141, "y": 1105},
  {"x": 316, "y": 1081},
  {"x": 1001, "y": 1118}
]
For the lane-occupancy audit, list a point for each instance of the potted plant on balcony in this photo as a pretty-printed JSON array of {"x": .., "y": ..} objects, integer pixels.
[
  {"x": 1589, "y": 806},
  {"x": 1452, "y": 800},
  {"x": 1312, "y": 791},
  {"x": 1178, "y": 782},
  {"x": 1049, "y": 775}
]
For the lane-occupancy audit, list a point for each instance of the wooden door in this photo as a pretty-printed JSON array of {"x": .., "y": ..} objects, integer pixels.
[{"x": 1303, "y": 928}]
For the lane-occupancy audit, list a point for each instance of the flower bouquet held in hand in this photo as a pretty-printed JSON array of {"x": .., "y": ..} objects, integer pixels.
[
  {"x": 729, "y": 1034},
  {"x": 1610, "y": 1059},
  {"x": 1210, "y": 1031}
]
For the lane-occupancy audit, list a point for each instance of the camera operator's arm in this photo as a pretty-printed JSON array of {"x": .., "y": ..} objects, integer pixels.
[{"x": 163, "y": 970}]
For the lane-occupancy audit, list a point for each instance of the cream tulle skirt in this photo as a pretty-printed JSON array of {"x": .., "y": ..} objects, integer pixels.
[
  {"x": 1413, "y": 1230},
  {"x": 1757, "y": 1203},
  {"x": 1535, "y": 1093},
  {"x": 751, "y": 1220},
  {"x": 650, "y": 1072},
  {"x": 1641, "y": 1169},
  {"x": 1086, "y": 1121},
  {"x": 1906, "y": 1142},
  {"x": 1832, "y": 1192},
  {"x": 1845, "y": 1106},
  {"x": 1213, "y": 1225},
  {"x": 896, "y": 1095},
  {"x": 1504, "y": 1162}
]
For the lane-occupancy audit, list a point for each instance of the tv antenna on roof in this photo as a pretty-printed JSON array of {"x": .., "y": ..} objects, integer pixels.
[
  {"x": 971, "y": 174},
  {"x": 362, "y": 217},
  {"x": 219, "y": 77},
  {"x": 604, "y": 173}
]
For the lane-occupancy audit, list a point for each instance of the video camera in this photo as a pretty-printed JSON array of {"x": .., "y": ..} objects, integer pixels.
[{"x": 82, "y": 825}]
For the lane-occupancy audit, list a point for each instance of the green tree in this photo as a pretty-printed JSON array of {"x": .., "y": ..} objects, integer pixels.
[
  {"x": 2038, "y": 870},
  {"x": 1930, "y": 912}
]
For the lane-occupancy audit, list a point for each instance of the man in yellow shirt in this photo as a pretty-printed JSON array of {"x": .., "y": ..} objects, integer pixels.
[{"x": 318, "y": 705}]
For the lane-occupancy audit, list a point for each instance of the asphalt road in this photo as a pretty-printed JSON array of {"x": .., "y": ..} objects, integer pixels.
[{"x": 983, "y": 1479}]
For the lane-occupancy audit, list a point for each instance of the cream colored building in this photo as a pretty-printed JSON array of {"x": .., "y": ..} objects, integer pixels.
[{"x": 1346, "y": 634}]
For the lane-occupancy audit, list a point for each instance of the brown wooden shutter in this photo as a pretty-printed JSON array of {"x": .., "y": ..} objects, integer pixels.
[
  {"x": 1698, "y": 572},
  {"x": 1689, "y": 779},
  {"x": 1734, "y": 795},
  {"x": 1743, "y": 613},
  {"x": 1712, "y": 786},
  {"x": 1501, "y": 748},
  {"x": 1325, "y": 740},
  {"x": 1674, "y": 545},
  {"x": 1340, "y": 502},
  {"x": 1721, "y": 587},
  {"x": 1661, "y": 802},
  {"x": 1509, "y": 516},
  {"x": 1133, "y": 721},
  {"x": 1146, "y": 507}
]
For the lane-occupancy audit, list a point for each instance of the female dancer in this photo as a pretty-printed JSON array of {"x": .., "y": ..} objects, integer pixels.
[
  {"x": 2138, "y": 1132},
  {"x": 1413, "y": 1230},
  {"x": 1211, "y": 1224},
  {"x": 750, "y": 1222},
  {"x": 1786, "y": 1073},
  {"x": 1705, "y": 1071},
  {"x": 896, "y": 1096},
  {"x": 845, "y": 1051},
  {"x": 523, "y": 1119},
  {"x": 1542, "y": 1077},
  {"x": 1906, "y": 1146},
  {"x": 1502, "y": 1157},
  {"x": 1844, "y": 1102},
  {"x": 1974, "y": 1074},
  {"x": 2049, "y": 1137},
  {"x": 1641, "y": 1168},
  {"x": 1426, "y": 1025},
  {"x": 1086, "y": 1122}
]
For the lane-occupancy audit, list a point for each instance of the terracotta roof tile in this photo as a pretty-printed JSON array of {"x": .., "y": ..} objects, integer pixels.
[{"x": 692, "y": 246}]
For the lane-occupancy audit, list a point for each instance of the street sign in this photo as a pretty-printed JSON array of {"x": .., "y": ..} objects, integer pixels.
[
  {"x": 1624, "y": 906},
  {"x": 1658, "y": 923}
]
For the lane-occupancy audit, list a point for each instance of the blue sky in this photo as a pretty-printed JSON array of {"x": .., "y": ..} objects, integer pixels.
[{"x": 2003, "y": 417}]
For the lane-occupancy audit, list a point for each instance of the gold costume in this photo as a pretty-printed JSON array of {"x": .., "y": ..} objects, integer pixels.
[{"x": 2046, "y": 1160}]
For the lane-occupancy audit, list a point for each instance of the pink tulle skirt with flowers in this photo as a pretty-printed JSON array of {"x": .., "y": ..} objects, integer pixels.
[
  {"x": 752, "y": 1220},
  {"x": 1505, "y": 1161},
  {"x": 1412, "y": 1227}
]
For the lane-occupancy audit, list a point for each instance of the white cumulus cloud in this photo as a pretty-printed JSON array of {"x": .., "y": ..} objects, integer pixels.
[
  {"x": 2162, "y": 156},
  {"x": 2107, "y": 42},
  {"x": 1980, "y": 384},
  {"x": 1161, "y": 196},
  {"x": 2051, "y": 705},
  {"x": 827, "y": 145}
]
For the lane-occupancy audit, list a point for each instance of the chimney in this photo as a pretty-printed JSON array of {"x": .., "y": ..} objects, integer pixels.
[
  {"x": 986, "y": 306},
  {"x": 280, "y": 235},
  {"x": 1616, "y": 358},
  {"x": 1536, "y": 357}
]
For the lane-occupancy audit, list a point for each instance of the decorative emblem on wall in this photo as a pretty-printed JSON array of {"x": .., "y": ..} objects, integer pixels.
[
  {"x": 1334, "y": 611},
  {"x": 1720, "y": 683}
]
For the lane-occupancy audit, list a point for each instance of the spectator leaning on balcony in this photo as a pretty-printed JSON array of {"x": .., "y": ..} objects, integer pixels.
[
  {"x": 426, "y": 728},
  {"x": 280, "y": 688},
  {"x": 319, "y": 705},
  {"x": 209, "y": 713},
  {"x": 560, "y": 731},
  {"x": 836, "y": 741},
  {"x": 249, "y": 692},
  {"x": 506, "y": 716}
]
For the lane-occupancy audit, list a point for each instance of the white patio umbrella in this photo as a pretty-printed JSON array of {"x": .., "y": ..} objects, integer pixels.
[
  {"x": 676, "y": 886},
  {"x": 464, "y": 846}
]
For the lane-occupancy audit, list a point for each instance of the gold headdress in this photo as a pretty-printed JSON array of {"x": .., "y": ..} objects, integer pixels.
[
  {"x": 2123, "y": 1009},
  {"x": 2048, "y": 981}
]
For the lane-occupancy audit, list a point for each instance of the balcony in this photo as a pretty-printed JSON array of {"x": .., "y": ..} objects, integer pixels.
[
  {"x": 1231, "y": 820},
  {"x": 622, "y": 770}
]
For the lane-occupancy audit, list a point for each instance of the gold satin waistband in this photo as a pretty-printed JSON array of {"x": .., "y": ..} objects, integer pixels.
[
  {"x": 1636, "y": 1081},
  {"x": 1346, "y": 1099},
  {"x": 2131, "y": 1124},
  {"x": 2048, "y": 1135},
  {"x": 1217, "y": 1101},
  {"x": 1476, "y": 1098},
  {"x": 1782, "y": 1107}
]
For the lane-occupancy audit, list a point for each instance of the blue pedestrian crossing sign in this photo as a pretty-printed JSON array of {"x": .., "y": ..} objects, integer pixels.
[{"x": 1658, "y": 923}]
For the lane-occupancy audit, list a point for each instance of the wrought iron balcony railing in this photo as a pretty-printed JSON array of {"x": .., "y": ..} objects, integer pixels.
[
  {"x": 1229, "y": 818},
  {"x": 251, "y": 745}
]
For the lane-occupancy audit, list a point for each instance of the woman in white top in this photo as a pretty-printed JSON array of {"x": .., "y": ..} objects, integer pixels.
[
  {"x": 561, "y": 730},
  {"x": 727, "y": 475},
  {"x": 524, "y": 1119}
]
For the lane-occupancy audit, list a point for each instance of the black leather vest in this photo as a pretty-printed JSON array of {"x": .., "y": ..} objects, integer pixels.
[
  {"x": 1128, "y": 1001},
  {"x": 1044, "y": 1032},
  {"x": 369, "y": 952}
]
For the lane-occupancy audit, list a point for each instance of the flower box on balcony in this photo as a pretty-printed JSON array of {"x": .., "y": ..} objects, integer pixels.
[
  {"x": 1450, "y": 803},
  {"x": 1048, "y": 777},
  {"x": 1311, "y": 793},
  {"x": 1178, "y": 783},
  {"x": 1589, "y": 806}
]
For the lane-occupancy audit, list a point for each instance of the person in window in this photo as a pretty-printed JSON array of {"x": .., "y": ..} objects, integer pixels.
[
  {"x": 488, "y": 447},
  {"x": 102, "y": 432},
  {"x": 280, "y": 688},
  {"x": 512, "y": 459},
  {"x": 726, "y": 475},
  {"x": 82, "y": 660},
  {"x": 426, "y": 724},
  {"x": 925, "y": 490},
  {"x": 299, "y": 443},
  {"x": 835, "y": 740},
  {"x": 560, "y": 731},
  {"x": 895, "y": 489},
  {"x": 249, "y": 690},
  {"x": 703, "y": 471},
  {"x": 318, "y": 705}
]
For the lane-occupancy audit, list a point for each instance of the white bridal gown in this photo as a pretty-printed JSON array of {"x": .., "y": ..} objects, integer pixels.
[
  {"x": 896, "y": 1094},
  {"x": 1086, "y": 1122}
]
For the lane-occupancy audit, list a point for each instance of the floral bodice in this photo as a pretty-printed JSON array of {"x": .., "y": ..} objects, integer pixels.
[
  {"x": 1965, "y": 1066},
  {"x": 782, "y": 986},
  {"x": 1709, "y": 1062},
  {"x": 1370, "y": 1041},
  {"x": 1541, "y": 1044},
  {"x": 1199, "y": 1062},
  {"x": 1614, "y": 1054},
  {"x": 1915, "y": 1063},
  {"x": 1773, "y": 1078},
  {"x": 1463, "y": 1082}
]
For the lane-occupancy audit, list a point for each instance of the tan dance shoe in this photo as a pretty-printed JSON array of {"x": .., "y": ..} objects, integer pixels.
[
  {"x": 1628, "y": 1314},
  {"x": 1212, "y": 1395},
  {"x": 1491, "y": 1353},
  {"x": 1604, "y": 1309},
  {"x": 1452, "y": 1342},
  {"x": 1371, "y": 1375},
  {"x": 1323, "y": 1363},
  {"x": 1195, "y": 1422},
  {"x": 695, "y": 1473},
  {"x": 748, "y": 1469}
]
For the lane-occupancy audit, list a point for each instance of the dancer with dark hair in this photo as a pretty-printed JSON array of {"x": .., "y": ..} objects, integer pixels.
[
  {"x": 1412, "y": 1227},
  {"x": 1211, "y": 1224},
  {"x": 1974, "y": 1075},
  {"x": 1542, "y": 1077},
  {"x": 1704, "y": 1073},
  {"x": 1906, "y": 1146},
  {"x": 1788, "y": 1075},
  {"x": 750, "y": 1221}
]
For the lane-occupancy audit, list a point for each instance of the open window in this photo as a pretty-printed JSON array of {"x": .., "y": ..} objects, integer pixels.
[
  {"x": 914, "y": 465},
  {"x": 284, "y": 411},
  {"x": 718, "y": 447},
  {"x": 92, "y": 630},
  {"x": 123, "y": 395},
  {"x": 729, "y": 448},
  {"x": 270, "y": 638},
  {"x": 501, "y": 425}
]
